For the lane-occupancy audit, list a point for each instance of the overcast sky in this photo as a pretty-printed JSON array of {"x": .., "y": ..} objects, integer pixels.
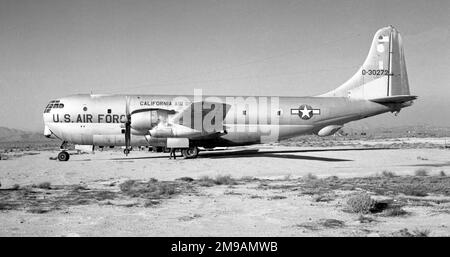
[{"x": 50, "y": 49}]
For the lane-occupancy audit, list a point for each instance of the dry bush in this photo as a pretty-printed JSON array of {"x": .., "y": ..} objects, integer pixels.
[
  {"x": 395, "y": 212},
  {"x": 365, "y": 219},
  {"x": 442, "y": 174},
  {"x": 323, "y": 198},
  {"x": 421, "y": 172},
  {"x": 150, "y": 189},
  {"x": 277, "y": 197},
  {"x": 414, "y": 190},
  {"x": 332, "y": 223},
  {"x": 151, "y": 202},
  {"x": 248, "y": 179},
  {"x": 225, "y": 180},
  {"x": 38, "y": 210},
  {"x": 421, "y": 233},
  {"x": 44, "y": 185},
  {"x": 388, "y": 174},
  {"x": 206, "y": 181},
  {"x": 185, "y": 179},
  {"x": 360, "y": 203},
  {"x": 416, "y": 233},
  {"x": 311, "y": 176}
]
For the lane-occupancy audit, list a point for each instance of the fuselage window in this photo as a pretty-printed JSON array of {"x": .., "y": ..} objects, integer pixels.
[
  {"x": 61, "y": 105},
  {"x": 109, "y": 110},
  {"x": 85, "y": 108}
]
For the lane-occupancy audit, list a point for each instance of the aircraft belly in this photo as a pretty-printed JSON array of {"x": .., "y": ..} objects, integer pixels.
[
  {"x": 264, "y": 133},
  {"x": 93, "y": 134}
]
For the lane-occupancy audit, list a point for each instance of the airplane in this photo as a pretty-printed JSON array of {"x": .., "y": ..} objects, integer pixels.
[{"x": 191, "y": 122}]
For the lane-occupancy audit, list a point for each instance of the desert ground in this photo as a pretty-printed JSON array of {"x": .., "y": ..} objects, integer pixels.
[{"x": 374, "y": 187}]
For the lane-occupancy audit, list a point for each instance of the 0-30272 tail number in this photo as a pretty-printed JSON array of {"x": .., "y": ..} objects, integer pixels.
[{"x": 375, "y": 72}]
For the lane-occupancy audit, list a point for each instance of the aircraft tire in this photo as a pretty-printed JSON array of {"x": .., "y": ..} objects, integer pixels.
[
  {"x": 126, "y": 151},
  {"x": 63, "y": 156},
  {"x": 190, "y": 153}
]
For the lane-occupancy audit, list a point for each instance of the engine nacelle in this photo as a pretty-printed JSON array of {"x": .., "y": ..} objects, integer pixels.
[
  {"x": 329, "y": 130},
  {"x": 175, "y": 130},
  {"x": 144, "y": 120}
]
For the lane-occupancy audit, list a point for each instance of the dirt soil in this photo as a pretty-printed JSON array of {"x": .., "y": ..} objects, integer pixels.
[{"x": 273, "y": 191}]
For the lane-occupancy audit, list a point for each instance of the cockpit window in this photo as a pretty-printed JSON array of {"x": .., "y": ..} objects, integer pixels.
[{"x": 52, "y": 105}]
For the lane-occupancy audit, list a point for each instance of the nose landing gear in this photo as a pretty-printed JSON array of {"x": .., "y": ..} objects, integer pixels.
[{"x": 63, "y": 156}]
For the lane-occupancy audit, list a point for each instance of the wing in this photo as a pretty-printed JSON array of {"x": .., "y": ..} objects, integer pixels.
[
  {"x": 200, "y": 120},
  {"x": 204, "y": 116}
]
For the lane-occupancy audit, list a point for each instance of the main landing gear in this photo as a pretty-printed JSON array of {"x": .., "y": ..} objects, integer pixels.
[
  {"x": 190, "y": 153},
  {"x": 63, "y": 156}
]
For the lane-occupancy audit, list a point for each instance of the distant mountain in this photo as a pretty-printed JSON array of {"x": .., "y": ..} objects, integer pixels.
[{"x": 17, "y": 135}]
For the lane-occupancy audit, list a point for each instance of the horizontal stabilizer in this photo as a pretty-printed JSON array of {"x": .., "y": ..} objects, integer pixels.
[{"x": 394, "y": 99}]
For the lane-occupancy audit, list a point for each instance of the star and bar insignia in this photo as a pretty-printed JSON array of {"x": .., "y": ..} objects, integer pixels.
[{"x": 305, "y": 112}]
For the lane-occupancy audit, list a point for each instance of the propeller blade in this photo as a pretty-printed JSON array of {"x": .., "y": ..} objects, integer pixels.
[{"x": 127, "y": 126}]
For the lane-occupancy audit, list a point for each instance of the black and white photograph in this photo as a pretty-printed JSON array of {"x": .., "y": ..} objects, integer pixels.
[{"x": 224, "y": 118}]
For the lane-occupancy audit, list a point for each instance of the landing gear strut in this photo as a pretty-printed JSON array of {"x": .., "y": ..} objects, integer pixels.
[
  {"x": 63, "y": 156},
  {"x": 190, "y": 153},
  {"x": 63, "y": 145}
]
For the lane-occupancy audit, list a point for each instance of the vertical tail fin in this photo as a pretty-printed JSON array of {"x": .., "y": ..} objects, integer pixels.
[{"x": 383, "y": 74}]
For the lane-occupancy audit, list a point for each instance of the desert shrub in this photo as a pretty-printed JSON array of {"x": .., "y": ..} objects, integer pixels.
[
  {"x": 421, "y": 233},
  {"x": 388, "y": 174},
  {"x": 206, "y": 181},
  {"x": 248, "y": 178},
  {"x": 394, "y": 212},
  {"x": 311, "y": 176},
  {"x": 15, "y": 187},
  {"x": 225, "y": 180},
  {"x": 79, "y": 187},
  {"x": 44, "y": 185},
  {"x": 416, "y": 233},
  {"x": 287, "y": 177},
  {"x": 186, "y": 179},
  {"x": 442, "y": 174},
  {"x": 127, "y": 185},
  {"x": 365, "y": 219},
  {"x": 322, "y": 198},
  {"x": 413, "y": 190},
  {"x": 151, "y": 202},
  {"x": 421, "y": 172},
  {"x": 360, "y": 203},
  {"x": 150, "y": 189},
  {"x": 277, "y": 197},
  {"x": 332, "y": 223},
  {"x": 38, "y": 210}
]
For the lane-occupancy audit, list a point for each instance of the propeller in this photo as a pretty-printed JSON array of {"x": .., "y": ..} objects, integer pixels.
[{"x": 127, "y": 126}]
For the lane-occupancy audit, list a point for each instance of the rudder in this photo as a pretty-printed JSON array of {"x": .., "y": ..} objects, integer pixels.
[{"x": 383, "y": 73}]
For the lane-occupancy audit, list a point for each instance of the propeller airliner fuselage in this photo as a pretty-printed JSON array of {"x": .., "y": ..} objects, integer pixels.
[{"x": 188, "y": 122}]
